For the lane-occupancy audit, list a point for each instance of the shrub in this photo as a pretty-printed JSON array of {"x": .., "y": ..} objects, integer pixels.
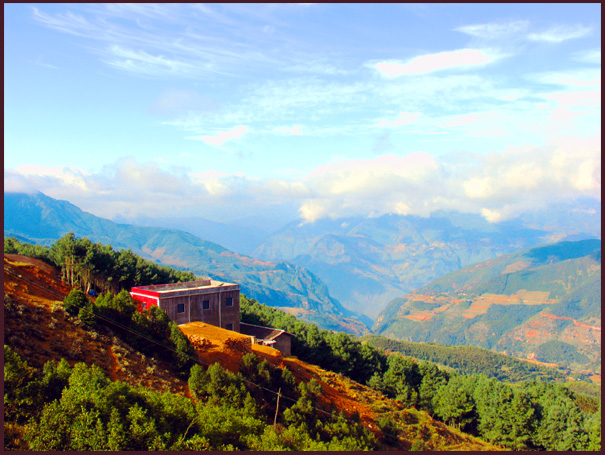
[{"x": 74, "y": 301}]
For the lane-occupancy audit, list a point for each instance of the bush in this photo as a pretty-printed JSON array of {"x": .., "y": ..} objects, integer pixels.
[
  {"x": 75, "y": 301},
  {"x": 87, "y": 316},
  {"x": 20, "y": 387}
]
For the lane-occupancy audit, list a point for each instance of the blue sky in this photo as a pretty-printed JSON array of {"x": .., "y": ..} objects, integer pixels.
[{"x": 323, "y": 109}]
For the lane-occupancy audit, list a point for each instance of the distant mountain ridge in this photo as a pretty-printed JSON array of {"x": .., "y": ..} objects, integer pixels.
[
  {"x": 240, "y": 238},
  {"x": 542, "y": 303},
  {"x": 37, "y": 218},
  {"x": 366, "y": 262}
]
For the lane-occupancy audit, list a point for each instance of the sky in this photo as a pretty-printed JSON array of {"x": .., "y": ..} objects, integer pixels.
[{"x": 319, "y": 110}]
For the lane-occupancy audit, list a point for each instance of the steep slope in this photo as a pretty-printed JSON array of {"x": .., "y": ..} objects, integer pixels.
[
  {"x": 368, "y": 262},
  {"x": 37, "y": 327},
  {"x": 40, "y": 219},
  {"x": 541, "y": 303},
  {"x": 39, "y": 330}
]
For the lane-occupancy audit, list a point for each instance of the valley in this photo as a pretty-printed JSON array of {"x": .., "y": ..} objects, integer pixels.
[{"x": 367, "y": 262}]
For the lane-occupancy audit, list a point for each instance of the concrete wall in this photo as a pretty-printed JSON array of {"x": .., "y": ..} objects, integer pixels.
[
  {"x": 217, "y": 314},
  {"x": 283, "y": 344}
]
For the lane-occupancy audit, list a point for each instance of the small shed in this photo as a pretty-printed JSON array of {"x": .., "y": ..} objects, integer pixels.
[{"x": 275, "y": 338}]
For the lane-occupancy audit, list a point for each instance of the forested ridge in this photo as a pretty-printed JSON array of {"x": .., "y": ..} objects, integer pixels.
[
  {"x": 469, "y": 360},
  {"x": 78, "y": 408},
  {"x": 530, "y": 415}
]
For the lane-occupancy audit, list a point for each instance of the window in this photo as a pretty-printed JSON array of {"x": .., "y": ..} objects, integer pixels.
[
  {"x": 206, "y": 305},
  {"x": 229, "y": 301},
  {"x": 229, "y": 326},
  {"x": 144, "y": 306},
  {"x": 180, "y": 308}
]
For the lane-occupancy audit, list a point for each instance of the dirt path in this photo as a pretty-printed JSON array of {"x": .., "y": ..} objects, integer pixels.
[
  {"x": 113, "y": 373},
  {"x": 579, "y": 324}
]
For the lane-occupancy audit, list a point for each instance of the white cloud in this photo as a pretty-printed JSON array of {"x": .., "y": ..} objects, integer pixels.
[
  {"x": 17, "y": 183},
  {"x": 498, "y": 185},
  {"x": 494, "y": 30},
  {"x": 142, "y": 62},
  {"x": 405, "y": 118},
  {"x": 69, "y": 176},
  {"x": 560, "y": 33},
  {"x": 424, "y": 64},
  {"x": 192, "y": 47},
  {"x": 223, "y": 136}
]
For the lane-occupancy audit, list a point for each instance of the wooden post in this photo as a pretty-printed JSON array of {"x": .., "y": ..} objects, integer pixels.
[{"x": 277, "y": 407}]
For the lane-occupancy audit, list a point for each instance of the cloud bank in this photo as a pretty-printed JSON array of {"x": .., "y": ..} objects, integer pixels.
[{"x": 498, "y": 185}]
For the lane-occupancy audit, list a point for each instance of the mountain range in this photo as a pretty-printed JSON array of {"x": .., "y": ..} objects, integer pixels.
[
  {"x": 366, "y": 262},
  {"x": 362, "y": 262},
  {"x": 37, "y": 218},
  {"x": 541, "y": 303}
]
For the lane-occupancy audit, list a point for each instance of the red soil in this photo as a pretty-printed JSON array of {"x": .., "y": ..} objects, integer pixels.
[{"x": 586, "y": 326}]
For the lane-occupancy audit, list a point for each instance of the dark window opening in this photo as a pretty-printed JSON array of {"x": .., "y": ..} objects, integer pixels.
[
  {"x": 229, "y": 326},
  {"x": 229, "y": 301},
  {"x": 206, "y": 305},
  {"x": 180, "y": 308}
]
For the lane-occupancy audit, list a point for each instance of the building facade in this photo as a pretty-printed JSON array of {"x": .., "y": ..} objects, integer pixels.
[{"x": 209, "y": 301}]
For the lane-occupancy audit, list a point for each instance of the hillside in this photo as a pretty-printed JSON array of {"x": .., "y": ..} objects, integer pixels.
[
  {"x": 471, "y": 360},
  {"x": 541, "y": 303},
  {"x": 42, "y": 220},
  {"x": 38, "y": 329},
  {"x": 367, "y": 262}
]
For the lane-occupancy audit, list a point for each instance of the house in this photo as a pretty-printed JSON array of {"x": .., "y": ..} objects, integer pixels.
[
  {"x": 209, "y": 301},
  {"x": 275, "y": 338}
]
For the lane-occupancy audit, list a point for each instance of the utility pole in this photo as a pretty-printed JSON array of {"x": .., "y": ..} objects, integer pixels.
[{"x": 277, "y": 408}]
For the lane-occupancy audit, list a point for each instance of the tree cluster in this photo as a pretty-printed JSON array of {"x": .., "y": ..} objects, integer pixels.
[
  {"x": 469, "y": 360},
  {"x": 79, "y": 408},
  {"x": 95, "y": 266}
]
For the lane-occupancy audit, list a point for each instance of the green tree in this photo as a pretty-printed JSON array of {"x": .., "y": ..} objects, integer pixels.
[
  {"x": 10, "y": 245},
  {"x": 55, "y": 377},
  {"x": 593, "y": 429},
  {"x": 142, "y": 431},
  {"x": 51, "y": 431},
  {"x": 453, "y": 404},
  {"x": 63, "y": 253},
  {"x": 87, "y": 315},
  {"x": 400, "y": 381},
  {"x": 21, "y": 398},
  {"x": 219, "y": 386},
  {"x": 74, "y": 301},
  {"x": 432, "y": 379},
  {"x": 184, "y": 349}
]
